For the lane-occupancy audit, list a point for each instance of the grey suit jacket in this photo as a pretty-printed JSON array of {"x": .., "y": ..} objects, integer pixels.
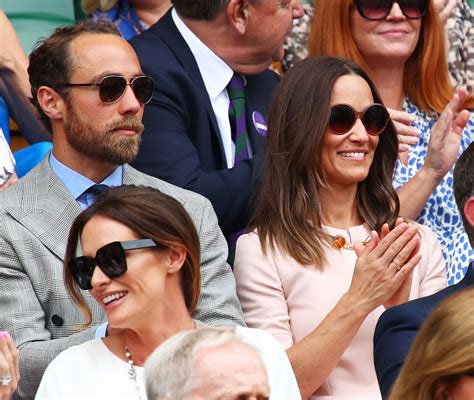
[{"x": 35, "y": 217}]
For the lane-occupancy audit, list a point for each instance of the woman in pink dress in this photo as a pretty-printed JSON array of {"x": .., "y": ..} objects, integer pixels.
[{"x": 328, "y": 253}]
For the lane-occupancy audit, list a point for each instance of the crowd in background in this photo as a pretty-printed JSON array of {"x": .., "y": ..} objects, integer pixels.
[{"x": 187, "y": 223}]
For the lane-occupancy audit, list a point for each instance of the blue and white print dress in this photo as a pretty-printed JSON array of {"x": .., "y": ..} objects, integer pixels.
[{"x": 440, "y": 212}]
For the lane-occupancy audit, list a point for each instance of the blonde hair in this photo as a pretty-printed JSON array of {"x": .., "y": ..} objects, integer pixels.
[
  {"x": 426, "y": 79},
  {"x": 90, "y": 6},
  {"x": 442, "y": 352}
]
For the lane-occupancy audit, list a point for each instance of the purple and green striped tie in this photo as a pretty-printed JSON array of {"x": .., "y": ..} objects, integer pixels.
[{"x": 238, "y": 126}]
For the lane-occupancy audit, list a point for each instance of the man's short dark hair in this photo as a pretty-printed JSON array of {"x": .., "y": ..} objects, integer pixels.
[
  {"x": 463, "y": 185},
  {"x": 199, "y": 9},
  {"x": 50, "y": 64}
]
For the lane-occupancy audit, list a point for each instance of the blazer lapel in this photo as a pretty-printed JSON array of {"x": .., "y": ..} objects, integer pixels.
[
  {"x": 166, "y": 29},
  {"x": 47, "y": 209}
]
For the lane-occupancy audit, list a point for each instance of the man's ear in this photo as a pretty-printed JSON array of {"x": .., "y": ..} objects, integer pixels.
[
  {"x": 51, "y": 102},
  {"x": 176, "y": 258},
  {"x": 469, "y": 210},
  {"x": 238, "y": 14}
]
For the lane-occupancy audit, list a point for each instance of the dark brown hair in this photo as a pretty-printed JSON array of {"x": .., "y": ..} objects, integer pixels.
[
  {"x": 50, "y": 61},
  {"x": 426, "y": 79},
  {"x": 288, "y": 206},
  {"x": 151, "y": 214}
]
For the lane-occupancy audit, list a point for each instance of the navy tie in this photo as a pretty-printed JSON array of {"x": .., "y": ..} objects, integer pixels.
[{"x": 94, "y": 191}]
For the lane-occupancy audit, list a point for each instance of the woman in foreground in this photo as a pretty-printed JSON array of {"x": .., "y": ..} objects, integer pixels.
[
  {"x": 303, "y": 273},
  {"x": 141, "y": 264},
  {"x": 440, "y": 364}
]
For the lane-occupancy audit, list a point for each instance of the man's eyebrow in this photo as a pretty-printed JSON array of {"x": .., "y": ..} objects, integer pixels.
[{"x": 98, "y": 77}]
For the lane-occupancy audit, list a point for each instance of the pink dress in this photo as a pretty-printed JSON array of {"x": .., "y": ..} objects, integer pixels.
[{"x": 288, "y": 300}]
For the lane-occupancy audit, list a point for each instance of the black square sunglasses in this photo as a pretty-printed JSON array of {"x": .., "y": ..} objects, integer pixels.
[
  {"x": 376, "y": 10},
  {"x": 111, "y": 259},
  {"x": 112, "y": 88},
  {"x": 343, "y": 117}
]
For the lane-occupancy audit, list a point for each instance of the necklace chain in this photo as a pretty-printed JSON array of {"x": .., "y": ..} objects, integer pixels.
[{"x": 132, "y": 371}]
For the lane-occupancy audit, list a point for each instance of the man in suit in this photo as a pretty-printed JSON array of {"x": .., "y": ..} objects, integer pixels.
[
  {"x": 398, "y": 326},
  {"x": 88, "y": 86},
  {"x": 192, "y": 54}
]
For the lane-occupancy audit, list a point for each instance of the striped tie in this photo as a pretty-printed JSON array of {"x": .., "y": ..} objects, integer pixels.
[{"x": 235, "y": 90}]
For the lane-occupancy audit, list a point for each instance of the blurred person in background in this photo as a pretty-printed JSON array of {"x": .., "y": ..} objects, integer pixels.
[
  {"x": 440, "y": 364},
  {"x": 131, "y": 17}
]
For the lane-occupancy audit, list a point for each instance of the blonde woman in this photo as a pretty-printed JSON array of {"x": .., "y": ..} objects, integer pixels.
[{"x": 440, "y": 365}]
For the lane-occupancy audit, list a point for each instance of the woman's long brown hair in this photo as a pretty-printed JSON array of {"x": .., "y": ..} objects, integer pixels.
[{"x": 287, "y": 211}]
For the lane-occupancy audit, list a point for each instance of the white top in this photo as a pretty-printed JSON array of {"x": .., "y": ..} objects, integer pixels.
[
  {"x": 92, "y": 371},
  {"x": 216, "y": 74}
]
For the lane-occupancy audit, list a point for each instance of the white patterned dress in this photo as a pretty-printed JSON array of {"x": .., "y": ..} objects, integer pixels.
[{"x": 440, "y": 212}]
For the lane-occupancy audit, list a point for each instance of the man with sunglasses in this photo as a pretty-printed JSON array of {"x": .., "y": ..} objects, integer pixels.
[
  {"x": 90, "y": 90},
  {"x": 198, "y": 53},
  {"x": 398, "y": 326}
]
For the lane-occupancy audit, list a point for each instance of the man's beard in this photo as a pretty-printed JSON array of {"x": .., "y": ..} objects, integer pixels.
[{"x": 103, "y": 143}]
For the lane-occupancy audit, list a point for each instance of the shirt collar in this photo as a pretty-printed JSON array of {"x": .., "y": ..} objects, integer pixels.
[
  {"x": 215, "y": 73},
  {"x": 77, "y": 183}
]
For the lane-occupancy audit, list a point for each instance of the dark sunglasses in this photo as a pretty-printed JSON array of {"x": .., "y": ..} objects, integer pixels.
[
  {"x": 111, "y": 259},
  {"x": 376, "y": 10},
  {"x": 343, "y": 117},
  {"x": 112, "y": 88}
]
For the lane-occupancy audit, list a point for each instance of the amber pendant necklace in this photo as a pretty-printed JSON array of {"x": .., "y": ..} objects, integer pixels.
[{"x": 339, "y": 242}]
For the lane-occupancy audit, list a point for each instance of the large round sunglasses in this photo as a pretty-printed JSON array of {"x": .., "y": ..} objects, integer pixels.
[
  {"x": 112, "y": 88},
  {"x": 376, "y": 10},
  {"x": 111, "y": 259},
  {"x": 343, "y": 117}
]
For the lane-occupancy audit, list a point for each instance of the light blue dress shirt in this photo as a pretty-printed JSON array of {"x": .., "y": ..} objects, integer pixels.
[{"x": 77, "y": 184}]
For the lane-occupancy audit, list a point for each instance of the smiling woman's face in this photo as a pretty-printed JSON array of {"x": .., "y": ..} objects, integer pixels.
[
  {"x": 130, "y": 299},
  {"x": 346, "y": 158},
  {"x": 392, "y": 39}
]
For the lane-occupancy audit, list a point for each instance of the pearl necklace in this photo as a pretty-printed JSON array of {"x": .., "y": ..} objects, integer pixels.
[{"x": 132, "y": 372}]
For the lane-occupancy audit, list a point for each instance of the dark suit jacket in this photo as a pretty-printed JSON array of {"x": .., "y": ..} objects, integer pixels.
[
  {"x": 181, "y": 143},
  {"x": 397, "y": 328}
]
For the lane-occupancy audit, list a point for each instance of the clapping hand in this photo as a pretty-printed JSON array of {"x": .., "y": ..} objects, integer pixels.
[
  {"x": 384, "y": 266},
  {"x": 446, "y": 136}
]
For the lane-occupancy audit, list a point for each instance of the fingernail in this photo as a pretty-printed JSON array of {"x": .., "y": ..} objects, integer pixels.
[
  {"x": 412, "y": 118},
  {"x": 3, "y": 335}
]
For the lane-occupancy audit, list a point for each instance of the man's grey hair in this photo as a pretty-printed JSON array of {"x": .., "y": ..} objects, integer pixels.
[{"x": 169, "y": 369}]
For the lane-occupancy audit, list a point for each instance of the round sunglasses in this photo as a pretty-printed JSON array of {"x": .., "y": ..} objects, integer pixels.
[
  {"x": 111, "y": 259},
  {"x": 376, "y": 10},
  {"x": 343, "y": 117},
  {"x": 112, "y": 88}
]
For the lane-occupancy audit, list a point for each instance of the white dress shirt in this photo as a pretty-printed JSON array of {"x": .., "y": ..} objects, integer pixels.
[{"x": 215, "y": 74}]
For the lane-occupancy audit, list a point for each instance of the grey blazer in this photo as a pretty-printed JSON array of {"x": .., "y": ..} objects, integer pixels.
[{"x": 35, "y": 217}]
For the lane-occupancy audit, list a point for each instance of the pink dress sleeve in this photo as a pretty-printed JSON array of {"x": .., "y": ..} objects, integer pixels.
[{"x": 260, "y": 289}]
